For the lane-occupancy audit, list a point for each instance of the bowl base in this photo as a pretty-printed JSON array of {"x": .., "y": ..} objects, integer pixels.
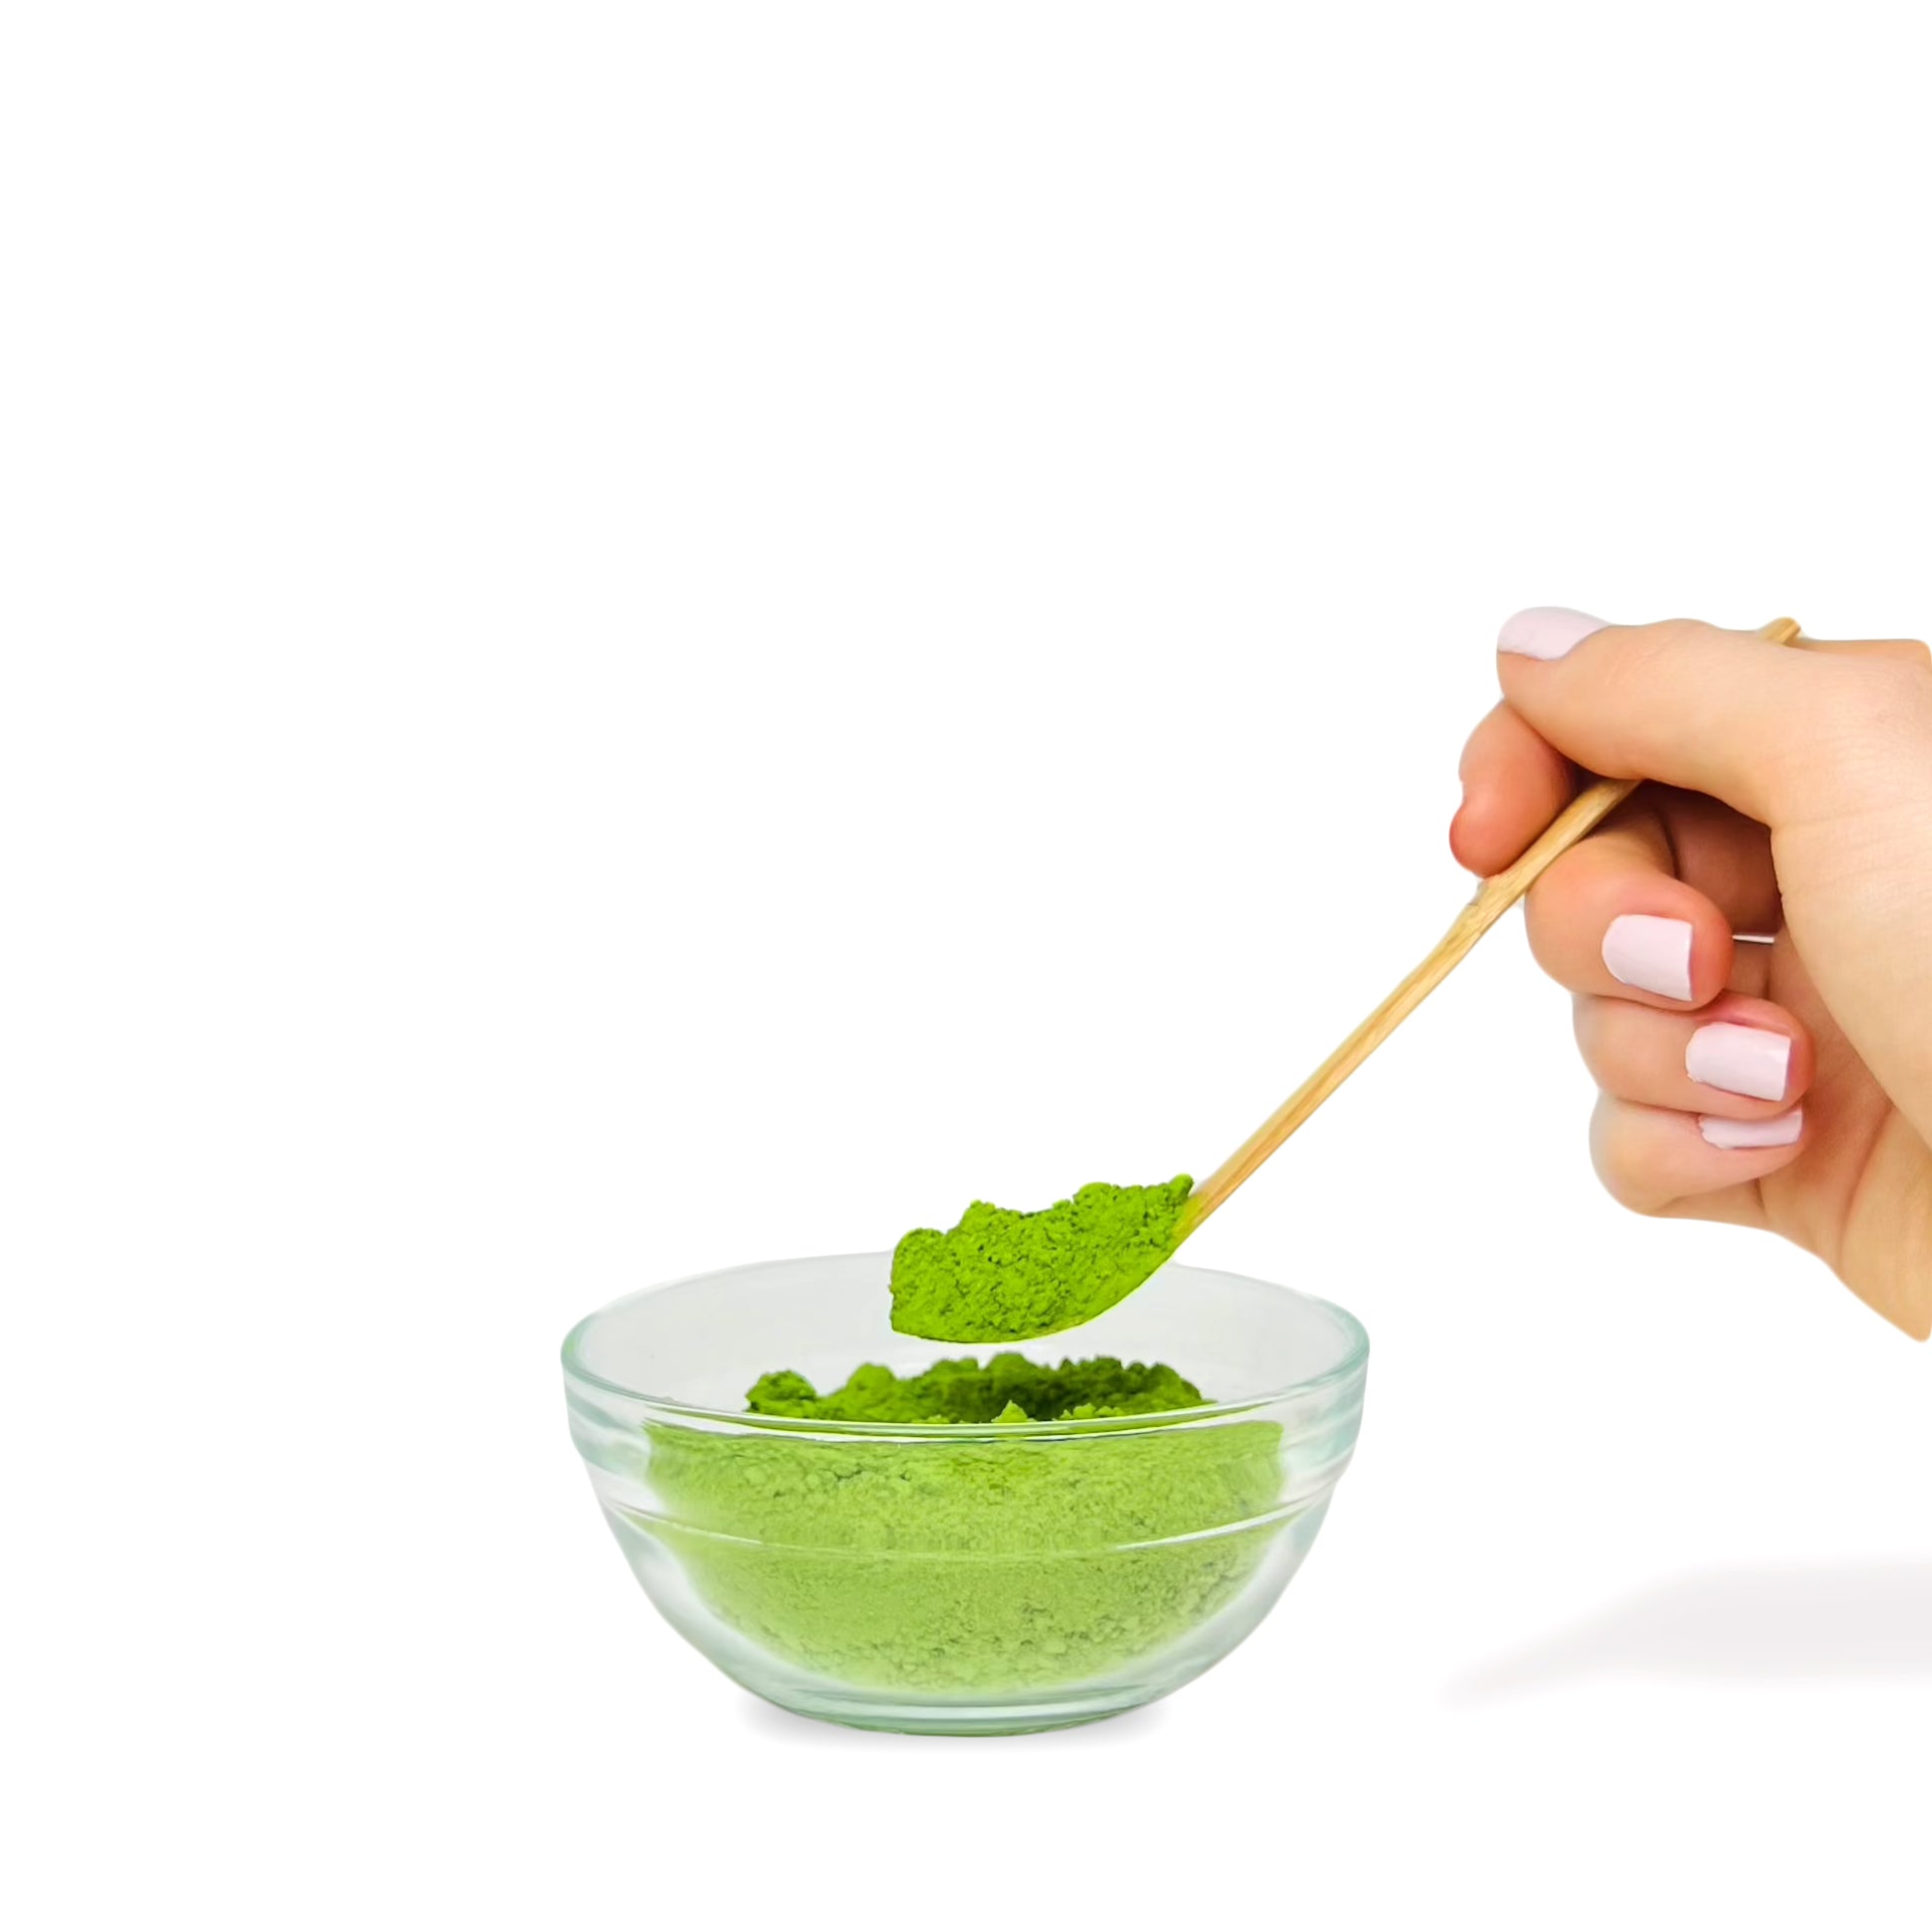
[{"x": 964, "y": 1719}]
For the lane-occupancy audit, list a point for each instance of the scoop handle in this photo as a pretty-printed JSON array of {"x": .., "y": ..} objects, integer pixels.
[{"x": 1493, "y": 898}]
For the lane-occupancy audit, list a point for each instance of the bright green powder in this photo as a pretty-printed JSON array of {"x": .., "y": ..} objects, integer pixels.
[
  {"x": 1001, "y": 1276},
  {"x": 1008, "y": 1389},
  {"x": 983, "y": 1563}
]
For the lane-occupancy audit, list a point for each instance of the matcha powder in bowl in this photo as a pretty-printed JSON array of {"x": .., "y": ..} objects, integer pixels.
[{"x": 962, "y": 1546}]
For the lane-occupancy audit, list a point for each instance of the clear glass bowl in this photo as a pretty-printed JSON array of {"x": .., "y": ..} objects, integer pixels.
[{"x": 950, "y": 1578}]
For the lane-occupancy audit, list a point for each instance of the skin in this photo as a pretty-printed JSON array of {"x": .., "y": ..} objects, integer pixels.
[{"x": 1792, "y": 797}]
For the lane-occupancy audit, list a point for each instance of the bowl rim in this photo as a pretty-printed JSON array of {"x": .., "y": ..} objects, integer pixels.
[{"x": 1353, "y": 1365}]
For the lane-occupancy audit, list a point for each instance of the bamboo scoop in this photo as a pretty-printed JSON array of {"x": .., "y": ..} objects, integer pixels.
[{"x": 1006, "y": 1276}]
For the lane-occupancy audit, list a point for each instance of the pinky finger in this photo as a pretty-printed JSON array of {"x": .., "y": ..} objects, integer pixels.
[{"x": 1655, "y": 1161}]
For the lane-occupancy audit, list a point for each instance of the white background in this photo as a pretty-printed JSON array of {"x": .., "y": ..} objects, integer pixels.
[{"x": 646, "y": 635}]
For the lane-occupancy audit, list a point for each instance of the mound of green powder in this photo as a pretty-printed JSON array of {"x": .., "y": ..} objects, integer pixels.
[
  {"x": 1001, "y": 1276},
  {"x": 962, "y": 1566},
  {"x": 1008, "y": 1389}
]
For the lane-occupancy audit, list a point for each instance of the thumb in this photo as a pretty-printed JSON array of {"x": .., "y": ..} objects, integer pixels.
[{"x": 1775, "y": 734}]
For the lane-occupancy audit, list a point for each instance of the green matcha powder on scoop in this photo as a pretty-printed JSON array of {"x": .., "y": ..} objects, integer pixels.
[{"x": 1001, "y": 1276}]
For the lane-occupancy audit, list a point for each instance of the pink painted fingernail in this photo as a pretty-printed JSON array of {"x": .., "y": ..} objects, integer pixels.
[
  {"x": 1650, "y": 953},
  {"x": 1548, "y": 630},
  {"x": 1741, "y": 1060},
  {"x": 1779, "y": 1131}
]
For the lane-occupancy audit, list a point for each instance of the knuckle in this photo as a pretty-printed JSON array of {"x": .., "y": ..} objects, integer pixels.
[
  {"x": 1543, "y": 930},
  {"x": 1587, "y": 1023},
  {"x": 1619, "y": 1173},
  {"x": 1914, "y": 671},
  {"x": 1678, "y": 633},
  {"x": 1652, "y": 644},
  {"x": 1476, "y": 743},
  {"x": 1626, "y": 681},
  {"x": 1903, "y": 672},
  {"x": 1883, "y": 699},
  {"x": 1625, "y": 1193}
]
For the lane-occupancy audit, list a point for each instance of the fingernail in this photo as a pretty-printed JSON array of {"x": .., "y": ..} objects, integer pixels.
[
  {"x": 1548, "y": 630},
  {"x": 1650, "y": 953},
  {"x": 1779, "y": 1131},
  {"x": 1739, "y": 1059}
]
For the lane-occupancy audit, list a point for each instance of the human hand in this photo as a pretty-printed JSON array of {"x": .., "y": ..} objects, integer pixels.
[{"x": 1785, "y": 1086}]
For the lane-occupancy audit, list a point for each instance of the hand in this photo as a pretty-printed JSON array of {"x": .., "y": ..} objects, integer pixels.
[{"x": 1785, "y": 1086}]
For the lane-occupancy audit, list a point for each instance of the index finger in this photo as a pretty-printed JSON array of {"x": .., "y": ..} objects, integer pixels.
[{"x": 1512, "y": 784}]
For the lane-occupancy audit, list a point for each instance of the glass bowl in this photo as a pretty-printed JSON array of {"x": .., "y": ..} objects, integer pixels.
[{"x": 960, "y": 1578}]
